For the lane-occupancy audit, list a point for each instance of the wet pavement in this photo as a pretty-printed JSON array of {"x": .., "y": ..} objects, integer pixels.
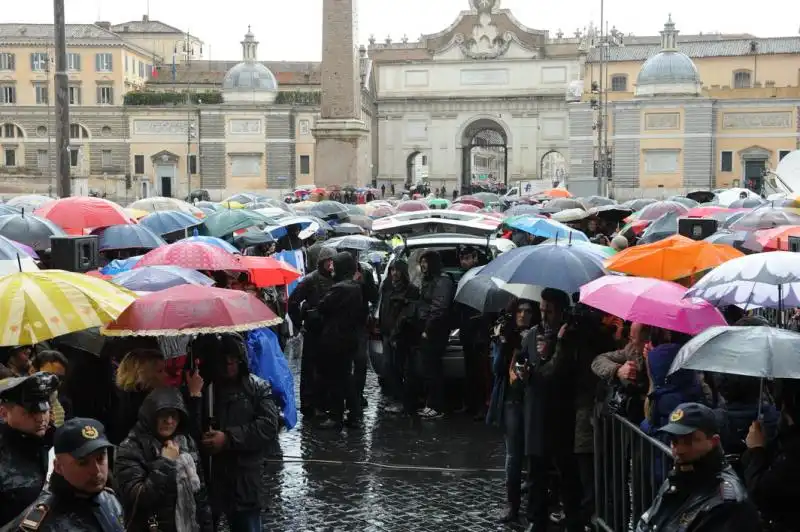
[{"x": 392, "y": 474}]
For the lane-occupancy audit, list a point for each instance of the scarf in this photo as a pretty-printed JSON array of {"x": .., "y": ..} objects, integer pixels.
[{"x": 188, "y": 485}]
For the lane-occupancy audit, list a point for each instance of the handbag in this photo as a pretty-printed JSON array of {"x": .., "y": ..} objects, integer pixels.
[{"x": 152, "y": 521}]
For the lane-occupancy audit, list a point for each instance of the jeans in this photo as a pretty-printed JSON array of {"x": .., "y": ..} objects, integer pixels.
[
  {"x": 514, "y": 428},
  {"x": 570, "y": 489},
  {"x": 245, "y": 521}
]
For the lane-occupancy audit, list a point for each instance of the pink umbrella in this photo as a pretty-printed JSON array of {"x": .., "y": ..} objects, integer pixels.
[
  {"x": 652, "y": 302},
  {"x": 412, "y": 206},
  {"x": 192, "y": 255},
  {"x": 464, "y": 207},
  {"x": 471, "y": 200}
]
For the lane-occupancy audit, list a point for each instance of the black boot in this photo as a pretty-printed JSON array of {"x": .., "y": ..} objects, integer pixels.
[{"x": 510, "y": 515}]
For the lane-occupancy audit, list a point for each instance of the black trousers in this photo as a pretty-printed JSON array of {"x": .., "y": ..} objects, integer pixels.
[
  {"x": 476, "y": 374},
  {"x": 339, "y": 383},
  {"x": 431, "y": 353},
  {"x": 539, "y": 468},
  {"x": 309, "y": 376}
]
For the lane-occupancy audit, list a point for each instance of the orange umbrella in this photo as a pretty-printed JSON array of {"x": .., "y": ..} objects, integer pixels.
[
  {"x": 266, "y": 271},
  {"x": 777, "y": 238},
  {"x": 556, "y": 193},
  {"x": 673, "y": 258}
]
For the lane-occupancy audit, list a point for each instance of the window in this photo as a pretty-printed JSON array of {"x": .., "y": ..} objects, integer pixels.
[
  {"x": 8, "y": 94},
  {"x": 10, "y": 157},
  {"x": 74, "y": 156},
  {"x": 74, "y": 62},
  {"x": 141, "y": 69},
  {"x": 783, "y": 153},
  {"x": 77, "y": 131},
  {"x": 41, "y": 93},
  {"x": 106, "y": 159},
  {"x": 619, "y": 83},
  {"x": 42, "y": 160},
  {"x": 126, "y": 64},
  {"x": 193, "y": 164},
  {"x": 424, "y": 160},
  {"x": 741, "y": 79},
  {"x": 138, "y": 164},
  {"x": 105, "y": 95},
  {"x": 103, "y": 62},
  {"x": 726, "y": 161},
  {"x": 305, "y": 164},
  {"x": 11, "y": 131},
  {"x": 39, "y": 61},
  {"x": 74, "y": 95},
  {"x": 7, "y": 61},
  {"x": 304, "y": 127}
]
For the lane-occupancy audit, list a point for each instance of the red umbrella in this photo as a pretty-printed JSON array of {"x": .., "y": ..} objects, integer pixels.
[
  {"x": 464, "y": 207},
  {"x": 96, "y": 273},
  {"x": 412, "y": 206},
  {"x": 708, "y": 211},
  {"x": 191, "y": 309},
  {"x": 193, "y": 255},
  {"x": 471, "y": 200},
  {"x": 776, "y": 239},
  {"x": 78, "y": 213},
  {"x": 266, "y": 271}
]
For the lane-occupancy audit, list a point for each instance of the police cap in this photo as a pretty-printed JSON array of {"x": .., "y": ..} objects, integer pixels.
[
  {"x": 80, "y": 437},
  {"x": 691, "y": 417},
  {"x": 32, "y": 392}
]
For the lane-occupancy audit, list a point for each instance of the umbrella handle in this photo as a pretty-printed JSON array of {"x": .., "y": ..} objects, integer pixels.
[{"x": 761, "y": 400}]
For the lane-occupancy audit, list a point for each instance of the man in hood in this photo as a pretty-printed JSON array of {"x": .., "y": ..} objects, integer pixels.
[
  {"x": 436, "y": 298},
  {"x": 342, "y": 314},
  {"x": 303, "y": 310}
]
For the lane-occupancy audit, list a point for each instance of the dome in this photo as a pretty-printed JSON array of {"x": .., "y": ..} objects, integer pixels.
[
  {"x": 669, "y": 72},
  {"x": 249, "y": 81}
]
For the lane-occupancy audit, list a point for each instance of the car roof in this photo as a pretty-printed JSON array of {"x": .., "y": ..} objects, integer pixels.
[{"x": 455, "y": 239}]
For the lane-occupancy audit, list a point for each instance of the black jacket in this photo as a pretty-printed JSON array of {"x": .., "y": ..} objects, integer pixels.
[
  {"x": 141, "y": 471},
  {"x": 305, "y": 298},
  {"x": 342, "y": 307},
  {"x": 69, "y": 512},
  {"x": 771, "y": 475},
  {"x": 246, "y": 413},
  {"x": 709, "y": 498},
  {"x": 23, "y": 470},
  {"x": 397, "y": 305},
  {"x": 436, "y": 297}
]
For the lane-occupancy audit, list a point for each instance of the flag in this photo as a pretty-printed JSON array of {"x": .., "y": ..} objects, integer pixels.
[
  {"x": 154, "y": 72},
  {"x": 296, "y": 260}
]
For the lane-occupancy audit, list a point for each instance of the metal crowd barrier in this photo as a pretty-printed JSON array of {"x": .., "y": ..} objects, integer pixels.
[{"x": 629, "y": 468}]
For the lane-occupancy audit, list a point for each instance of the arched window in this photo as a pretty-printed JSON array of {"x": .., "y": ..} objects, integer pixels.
[
  {"x": 619, "y": 83},
  {"x": 742, "y": 79},
  {"x": 77, "y": 131},
  {"x": 11, "y": 131}
]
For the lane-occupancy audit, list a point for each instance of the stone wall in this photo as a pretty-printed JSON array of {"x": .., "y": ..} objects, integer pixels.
[{"x": 698, "y": 147}]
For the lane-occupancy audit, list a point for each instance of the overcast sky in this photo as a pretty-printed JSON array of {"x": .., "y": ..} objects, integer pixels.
[{"x": 291, "y": 29}]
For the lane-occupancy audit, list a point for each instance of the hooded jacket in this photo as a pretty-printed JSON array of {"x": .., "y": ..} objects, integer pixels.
[
  {"x": 436, "y": 298},
  {"x": 141, "y": 471},
  {"x": 397, "y": 302},
  {"x": 342, "y": 308},
  {"x": 305, "y": 298}
]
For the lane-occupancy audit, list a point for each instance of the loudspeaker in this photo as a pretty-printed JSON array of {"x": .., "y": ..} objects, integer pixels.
[
  {"x": 794, "y": 243},
  {"x": 697, "y": 228},
  {"x": 74, "y": 253}
]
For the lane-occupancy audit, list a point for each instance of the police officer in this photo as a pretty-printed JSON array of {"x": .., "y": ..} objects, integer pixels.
[
  {"x": 702, "y": 493},
  {"x": 25, "y": 439},
  {"x": 76, "y": 497}
]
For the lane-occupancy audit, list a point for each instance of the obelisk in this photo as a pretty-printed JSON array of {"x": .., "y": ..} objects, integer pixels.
[{"x": 340, "y": 130}]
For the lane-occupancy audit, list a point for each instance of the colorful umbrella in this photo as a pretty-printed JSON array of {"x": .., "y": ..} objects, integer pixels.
[
  {"x": 673, "y": 258},
  {"x": 213, "y": 241},
  {"x": 766, "y": 217},
  {"x": 77, "y": 213},
  {"x": 166, "y": 204},
  {"x": 166, "y": 222},
  {"x": 135, "y": 214},
  {"x": 155, "y": 278},
  {"x": 266, "y": 271},
  {"x": 464, "y": 207},
  {"x": 556, "y": 193},
  {"x": 194, "y": 255},
  {"x": 709, "y": 211},
  {"x": 651, "y": 302},
  {"x": 227, "y": 221},
  {"x": 414, "y": 206},
  {"x": 545, "y": 228},
  {"x": 30, "y": 230},
  {"x": 38, "y": 306},
  {"x": 190, "y": 309},
  {"x": 127, "y": 237},
  {"x": 120, "y": 265},
  {"x": 11, "y": 250},
  {"x": 438, "y": 203},
  {"x": 231, "y": 205},
  {"x": 776, "y": 239},
  {"x": 470, "y": 200}
]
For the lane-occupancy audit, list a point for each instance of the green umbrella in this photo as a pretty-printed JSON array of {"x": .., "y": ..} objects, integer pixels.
[
  {"x": 438, "y": 203},
  {"x": 225, "y": 222}
]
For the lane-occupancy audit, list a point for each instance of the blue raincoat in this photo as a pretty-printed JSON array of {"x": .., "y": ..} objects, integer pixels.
[{"x": 267, "y": 361}]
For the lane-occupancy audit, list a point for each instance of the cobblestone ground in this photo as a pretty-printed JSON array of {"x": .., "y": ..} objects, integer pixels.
[{"x": 393, "y": 474}]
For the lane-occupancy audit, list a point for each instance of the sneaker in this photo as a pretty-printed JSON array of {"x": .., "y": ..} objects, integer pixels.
[
  {"x": 394, "y": 408},
  {"x": 429, "y": 413}
]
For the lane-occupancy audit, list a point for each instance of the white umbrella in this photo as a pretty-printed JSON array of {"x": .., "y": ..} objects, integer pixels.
[
  {"x": 26, "y": 264},
  {"x": 727, "y": 197}
]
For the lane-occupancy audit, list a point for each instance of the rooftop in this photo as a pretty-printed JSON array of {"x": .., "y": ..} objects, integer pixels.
[
  {"x": 15, "y": 31},
  {"x": 145, "y": 26},
  {"x": 705, "y": 48}
]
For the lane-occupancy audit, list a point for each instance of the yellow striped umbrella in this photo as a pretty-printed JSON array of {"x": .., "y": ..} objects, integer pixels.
[{"x": 37, "y": 306}]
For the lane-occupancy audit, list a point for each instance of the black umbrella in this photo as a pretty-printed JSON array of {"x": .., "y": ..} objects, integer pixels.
[
  {"x": 481, "y": 293},
  {"x": 252, "y": 237},
  {"x": 746, "y": 203},
  {"x": 347, "y": 229},
  {"x": 661, "y": 228},
  {"x": 613, "y": 214},
  {"x": 596, "y": 201},
  {"x": 30, "y": 230},
  {"x": 701, "y": 196},
  {"x": 638, "y": 204},
  {"x": 683, "y": 200},
  {"x": 329, "y": 210}
]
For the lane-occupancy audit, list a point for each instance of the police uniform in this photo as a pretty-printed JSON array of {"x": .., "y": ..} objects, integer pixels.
[
  {"x": 23, "y": 457},
  {"x": 705, "y": 495},
  {"x": 60, "y": 507}
]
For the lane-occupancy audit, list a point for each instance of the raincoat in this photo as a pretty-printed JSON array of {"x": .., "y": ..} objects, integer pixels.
[{"x": 267, "y": 361}]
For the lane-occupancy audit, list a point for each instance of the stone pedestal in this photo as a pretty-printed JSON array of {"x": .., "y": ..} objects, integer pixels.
[{"x": 338, "y": 153}]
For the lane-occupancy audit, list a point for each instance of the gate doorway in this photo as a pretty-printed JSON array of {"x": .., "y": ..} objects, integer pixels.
[
  {"x": 416, "y": 169},
  {"x": 485, "y": 158}
]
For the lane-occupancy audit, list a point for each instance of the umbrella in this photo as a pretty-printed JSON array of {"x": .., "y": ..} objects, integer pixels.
[
  {"x": 747, "y": 203},
  {"x": 194, "y": 255},
  {"x": 771, "y": 239},
  {"x": 766, "y": 217},
  {"x": 560, "y": 266},
  {"x": 612, "y": 214},
  {"x": 209, "y": 206},
  {"x": 166, "y": 222},
  {"x": 18, "y": 264},
  {"x": 556, "y": 193},
  {"x": 165, "y": 204},
  {"x": 517, "y": 210},
  {"x": 11, "y": 250},
  {"x": 347, "y": 229},
  {"x": 729, "y": 238},
  {"x": 413, "y": 206},
  {"x": 764, "y": 279},
  {"x": 656, "y": 210},
  {"x": 481, "y": 293},
  {"x": 602, "y": 252},
  {"x": 244, "y": 198},
  {"x": 438, "y": 203},
  {"x": 661, "y": 228},
  {"x": 127, "y": 237},
  {"x": 464, "y": 207},
  {"x": 379, "y": 211},
  {"x": 212, "y": 241},
  {"x": 562, "y": 204},
  {"x": 651, "y": 302},
  {"x": 545, "y": 228},
  {"x": 329, "y": 210},
  {"x": 190, "y": 309},
  {"x": 120, "y": 265},
  {"x": 488, "y": 198},
  {"x": 358, "y": 243},
  {"x": 670, "y": 259},
  {"x": 270, "y": 203},
  {"x": 37, "y": 306},
  {"x": 227, "y": 221},
  {"x": 272, "y": 213},
  {"x": 596, "y": 201},
  {"x": 765, "y": 352},
  {"x": 29, "y": 202},
  {"x": 309, "y": 226},
  {"x": 683, "y": 200},
  {"x": 30, "y": 230},
  {"x": 155, "y": 278},
  {"x": 135, "y": 214},
  {"x": 638, "y": 204},
  {"x": 470, "y": 200},
  {"x": 355, "y": 209},
  {"x": 726, "y": 197},
  {"x": 252, "y": 237},
  {"x": 27, "y": 250},
  {"x": 5, "y": 209},
  {"x": 364, "y": 222},
  {"x": 570, "y": 215},
  {"x": 77, "y": 213},
  {"x": 267, "y": 271},
  {"x": 701, "y": 196},
  {"x": 710, "y": 211}
]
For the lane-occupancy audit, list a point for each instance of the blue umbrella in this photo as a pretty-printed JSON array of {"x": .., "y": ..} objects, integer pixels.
[
  {"x": 279, "y": 227},
  {"x": 10, "y": 250},
  {"x": 546, "y": 228},
  {"x": 155, "y": 278},
  {"x": 165, "y": 222},
  {"x": 213, "y": 241},
  {"x": 560, "y": 266},
  {"x": 120, "y": 265},
  {"x": 127, "y": 237}
]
